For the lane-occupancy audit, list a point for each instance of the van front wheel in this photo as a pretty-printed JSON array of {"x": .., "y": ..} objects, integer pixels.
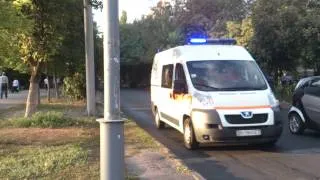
[
  {"x": 190, "y": 141},
  {"x": 159, "y": 123}
]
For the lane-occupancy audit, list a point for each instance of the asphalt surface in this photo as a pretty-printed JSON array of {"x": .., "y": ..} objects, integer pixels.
[
  {"x": 293, "y": 157},
  {"x": 15, "y": 99}
]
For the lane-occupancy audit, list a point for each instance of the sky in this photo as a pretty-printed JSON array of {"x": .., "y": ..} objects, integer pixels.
[{"x": 135, "y": 9}]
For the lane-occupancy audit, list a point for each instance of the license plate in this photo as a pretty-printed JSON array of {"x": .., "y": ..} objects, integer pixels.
[{"x": 251, "y": 132}]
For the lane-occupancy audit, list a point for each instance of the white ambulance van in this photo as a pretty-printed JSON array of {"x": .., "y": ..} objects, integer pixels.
[{"x": 213, "y": 91}]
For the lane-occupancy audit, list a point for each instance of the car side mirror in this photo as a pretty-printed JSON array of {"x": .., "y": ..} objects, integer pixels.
[{"x": 179, "y": 87}]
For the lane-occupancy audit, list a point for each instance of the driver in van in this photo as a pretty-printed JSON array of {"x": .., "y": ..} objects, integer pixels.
[
  {"x": 213, "y": 75},
  {"x": 231, "y": 74}
]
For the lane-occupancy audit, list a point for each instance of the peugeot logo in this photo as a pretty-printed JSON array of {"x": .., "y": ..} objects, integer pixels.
[{"x": 247, "y": 114}]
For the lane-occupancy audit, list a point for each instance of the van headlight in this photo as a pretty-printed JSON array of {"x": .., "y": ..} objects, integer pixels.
[
  {"x": 274, "y": 103},
  {"x": 202, "y": 101}
]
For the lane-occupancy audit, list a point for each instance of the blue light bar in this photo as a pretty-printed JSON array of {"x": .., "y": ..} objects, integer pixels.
[
  {"x": 222, "y": 41},
  {"x": 198, "y": 40},
  {"x": 219, "y": 41}
]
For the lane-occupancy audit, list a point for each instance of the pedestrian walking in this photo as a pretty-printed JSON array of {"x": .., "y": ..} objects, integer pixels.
[
  {"x": 4, "y": 85},
  {"x": 46, "y": 83},
  {"x": 15, "y": 86}
]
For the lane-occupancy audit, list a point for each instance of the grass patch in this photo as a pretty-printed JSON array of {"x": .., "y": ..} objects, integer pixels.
[
  {"x": 38, "y": 162},
  {"x": 180, "y": 168},
  {"x": 49, "y": 119},
  {"x": 8, "y": 112},
  {"x": 137, "y": 139},
  {"x": 45, "y": 154},
  {"x": 68, "y": 150}
]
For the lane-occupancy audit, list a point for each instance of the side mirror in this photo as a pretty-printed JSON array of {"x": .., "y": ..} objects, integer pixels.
[{"x": 179, "y": 87}]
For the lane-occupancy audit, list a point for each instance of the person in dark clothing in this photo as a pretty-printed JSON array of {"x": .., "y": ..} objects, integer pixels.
[{"x": 4, "y": 85}]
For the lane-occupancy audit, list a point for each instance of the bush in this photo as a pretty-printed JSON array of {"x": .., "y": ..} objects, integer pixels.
[
  {"x": 44, "y": 120},
  {"x": 285, "y": 92},
  {"x": 74, "y": 87},
  {"x": 51, "y": 119}
]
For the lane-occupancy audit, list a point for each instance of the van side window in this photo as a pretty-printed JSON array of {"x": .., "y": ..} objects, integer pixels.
[
  {"x": 180, "y": 75},
  {"x": 167, "y": 73}
]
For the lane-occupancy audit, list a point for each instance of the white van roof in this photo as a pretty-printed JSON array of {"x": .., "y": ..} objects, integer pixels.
[{"x": 205, "y": 52}]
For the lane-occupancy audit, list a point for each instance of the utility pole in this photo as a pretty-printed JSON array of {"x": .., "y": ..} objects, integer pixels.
[
  {"x": 89, "y": 47},
  {"x": 111, "y": 126}
]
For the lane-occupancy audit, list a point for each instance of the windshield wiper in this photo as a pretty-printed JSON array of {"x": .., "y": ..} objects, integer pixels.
[
  {"x": 205, "y": 85},
  {"x": 244, "y": 88}
]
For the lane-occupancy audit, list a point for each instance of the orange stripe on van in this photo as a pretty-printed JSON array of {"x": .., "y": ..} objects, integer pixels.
[{"x": 241, "y": 107}]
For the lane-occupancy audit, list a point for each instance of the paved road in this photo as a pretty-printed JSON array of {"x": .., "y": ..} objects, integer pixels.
[{"x": 293, "y": 157}]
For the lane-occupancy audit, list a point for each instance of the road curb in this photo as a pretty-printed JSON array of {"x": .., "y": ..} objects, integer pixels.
[{"x": 168, "y": 153}]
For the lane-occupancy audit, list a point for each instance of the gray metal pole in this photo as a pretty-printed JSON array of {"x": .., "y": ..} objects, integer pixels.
[
  {"x": 111, "y": 126},
  {"x": 90, "y": 80}
]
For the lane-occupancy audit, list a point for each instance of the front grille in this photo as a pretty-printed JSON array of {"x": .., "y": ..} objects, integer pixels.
[{"x": 238, "y": 119}]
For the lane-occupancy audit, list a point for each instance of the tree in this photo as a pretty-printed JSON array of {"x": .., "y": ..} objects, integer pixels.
[
  {"x": 310, "y": 49},
  {"x": 124, "y": 18},
  {"x": 242, "y": 32},
  {"x": 277, "y": 35},
  {"x": 141, "y": 40},
  {"x": 209, "y": 17},
  {"x": 41, "y": 45},
  {"x": 11, "y": 24}
]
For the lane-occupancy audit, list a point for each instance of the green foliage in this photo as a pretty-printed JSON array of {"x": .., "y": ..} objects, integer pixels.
[
  {"x": 209, "y": 17},
  {"x": 49, "y": 119},
  {"x": 281, "y": 35},
  {"x": 284, "y": 92},
  {"x": 242, "y": 32},
  {"x": 124, "y": 17},
  {"x": 12, "y": 23},
  {"x": 74, "y": 87},
  {"x": 40, "y": 162}
]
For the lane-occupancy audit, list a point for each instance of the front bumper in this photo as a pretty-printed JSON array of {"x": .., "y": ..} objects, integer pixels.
[{"x": 208, "y": 129}]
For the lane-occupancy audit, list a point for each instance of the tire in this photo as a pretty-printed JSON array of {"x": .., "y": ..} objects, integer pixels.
[
  {"x": 296, "y": 126},
  {"x": 159, "y": 123},
  {"x": 189, "y": 138}
]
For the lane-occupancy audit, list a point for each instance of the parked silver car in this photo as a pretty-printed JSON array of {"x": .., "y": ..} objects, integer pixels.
[{"x": 305, "y": 110}]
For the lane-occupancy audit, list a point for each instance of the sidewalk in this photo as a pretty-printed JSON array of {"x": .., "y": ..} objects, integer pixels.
[{"x": 15, "y": 99}]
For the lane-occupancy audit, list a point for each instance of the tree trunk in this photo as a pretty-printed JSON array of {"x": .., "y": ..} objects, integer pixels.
[
  {"x": 39, "y": 96},
  {"x": 55, "y": 86},
  {"x": 48, "y": 90},
  {"x": 33, "y": 95}
]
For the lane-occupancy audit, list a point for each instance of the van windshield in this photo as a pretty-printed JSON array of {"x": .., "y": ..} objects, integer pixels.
[{"x": 226, "y": 75}]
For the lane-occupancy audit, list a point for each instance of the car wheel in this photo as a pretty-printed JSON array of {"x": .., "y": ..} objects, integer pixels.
[
  {"x": 296, "y": 126},
  {"x": 159, "y": 123},
  {"x": 190, "y": 141}
]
